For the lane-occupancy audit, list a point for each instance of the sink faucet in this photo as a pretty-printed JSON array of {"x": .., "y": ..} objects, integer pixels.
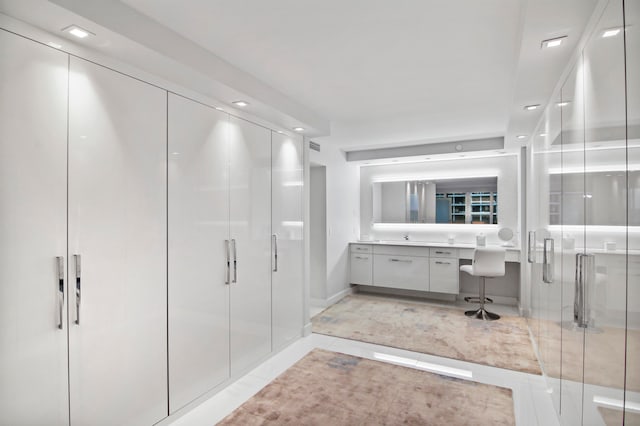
[{"x": 406, "y": 237}]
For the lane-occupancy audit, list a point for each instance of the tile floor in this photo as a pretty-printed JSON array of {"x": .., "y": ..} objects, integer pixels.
[{"x": 533, "y": 404}]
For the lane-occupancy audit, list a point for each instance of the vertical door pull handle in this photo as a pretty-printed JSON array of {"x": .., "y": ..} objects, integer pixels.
[
  {"x": 531, "y": 253},
  {"x": 227, "y": 279},
  {"x": 60, "y": 267},
  {"x": 585, "y": 277},
  {"x": 77, "y": 259},
  {"x": 235, "y": 262},
  {"x": 547, "y": 261},
  {"x": 274, "y": 239}
]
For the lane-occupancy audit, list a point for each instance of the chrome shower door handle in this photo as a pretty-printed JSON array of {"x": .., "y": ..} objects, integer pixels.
[
  {"x": 531, "y": 247},
  {"x": 585, "y": 275},
  {"x": 274, "y": 242},
  {"x": 235, "y": 262},
  {"x": 77, "y": 260},
  {"x": 547, "y": 261},
  {"x": 60, "y": 267},
  {"x": 227, "y": 279}
]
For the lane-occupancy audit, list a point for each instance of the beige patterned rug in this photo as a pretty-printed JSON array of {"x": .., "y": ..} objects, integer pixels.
[
  {"x": 439, "y": 331},
  {"x": 329, "y": 388}
]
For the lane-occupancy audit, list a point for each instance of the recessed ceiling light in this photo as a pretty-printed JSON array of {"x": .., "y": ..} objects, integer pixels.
[
  {"x": 299, "y": 129},
  {"x": 54, "y": 45},
  {"x": 219, "y": 109},
  {"x": 280, "y": 131},
  {"x": 241, "y": 104},
  {"x": 611, "y": 32},
  {"x": 532, "y": 107},
  {"x": 552, "y": 42},
  {"x": 521, "y": 136},
  {"x": 542, "y": 135},
  {"x": 561, "y": 104},
  {"x": 77, "y": 31}
]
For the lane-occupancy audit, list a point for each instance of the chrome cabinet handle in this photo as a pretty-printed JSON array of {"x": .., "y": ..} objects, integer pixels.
[
  {"x": 362, "y": 258},
  {"x": 274, "y": 242},
  {"x": 585, "y": 275},
  {"x": 442, "y": 263},
  {"x": 547, "y": 261},
  {"x": 443, "y": 252},
  {"x": 361, "y": 248},
  {"x": 77, "y": 260},
  {"x": 60, "y": 265},
  {"x": 227, "y": 279},
  {"x": 531, "y": 244},
  {"x": 400, "y": 260},
  {"x": 235, "y": 262}
]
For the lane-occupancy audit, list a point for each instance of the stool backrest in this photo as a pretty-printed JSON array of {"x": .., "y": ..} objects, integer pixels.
[{"x": 488, "y": 261}]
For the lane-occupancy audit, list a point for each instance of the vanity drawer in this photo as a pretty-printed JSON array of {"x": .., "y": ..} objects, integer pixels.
[
  {"x": 401, "y": 250},
  {"x": 443, "y": 275},
  {"x": 360, "y": 248},
  {"x": 443, "y": 252},
  {"x": 406, "y": 272},
  {"x": 361, "y": 268}
]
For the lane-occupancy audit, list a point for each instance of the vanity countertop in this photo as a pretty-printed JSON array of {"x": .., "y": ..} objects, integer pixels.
[{"x": 428, "y": 244}]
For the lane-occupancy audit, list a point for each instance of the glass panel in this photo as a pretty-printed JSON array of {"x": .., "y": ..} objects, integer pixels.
[
  {"x": 547, "y": 295},
  {"x": 573, "y": 238},
  {"x": 632, "y": 40},
  {"x": 605, "y": 203}
]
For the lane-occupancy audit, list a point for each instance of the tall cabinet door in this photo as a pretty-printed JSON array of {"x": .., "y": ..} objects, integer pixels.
[
  {"x": 250, "y": 208},
  {"x": 117, "y": 240},
  {"x": 33, "y": 228},
  {"x": 287, "y": 239},
  {"x": 198, "y": 228}
]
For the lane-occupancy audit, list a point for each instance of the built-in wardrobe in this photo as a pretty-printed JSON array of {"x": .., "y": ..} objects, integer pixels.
[
  {"x": 150, "y": 245},
  {"x": 583, "y": 218}
]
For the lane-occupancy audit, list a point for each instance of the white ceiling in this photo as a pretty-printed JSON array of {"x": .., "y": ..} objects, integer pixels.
[
  {"x": 380, "y": 71},
  {"x": 383, "y": 73}
]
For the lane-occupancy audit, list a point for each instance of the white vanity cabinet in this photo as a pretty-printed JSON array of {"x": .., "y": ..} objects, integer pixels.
[
  {"x": 443, "y": 270},
  {"x": 361, "y": 264},
  {"x": 401, "y": 267},
  {"x": 406, "y": 267}
]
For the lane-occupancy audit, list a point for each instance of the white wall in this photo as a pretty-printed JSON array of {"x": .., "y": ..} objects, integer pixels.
[
  {"x": 505, "y": 167},
  {"x": 343, "y": 214},
  {"x": 318, "y": 232}
]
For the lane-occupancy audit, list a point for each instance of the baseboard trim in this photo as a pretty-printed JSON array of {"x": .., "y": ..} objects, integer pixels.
[
  {"x": 306, "y": 330},
  {"x": 502, "y": 300},
  {"x": 322, "y": 303},
  {"x": 406, "y": 293}
]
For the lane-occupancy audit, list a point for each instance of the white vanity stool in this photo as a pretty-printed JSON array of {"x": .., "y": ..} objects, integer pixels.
[{"x": 488, "y": 262}]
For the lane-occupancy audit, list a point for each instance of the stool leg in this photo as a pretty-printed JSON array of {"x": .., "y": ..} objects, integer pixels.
[{"x": 481, "y": 313}]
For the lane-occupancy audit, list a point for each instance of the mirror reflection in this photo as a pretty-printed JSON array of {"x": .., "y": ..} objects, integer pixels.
[{"x": 468, "y": 200}]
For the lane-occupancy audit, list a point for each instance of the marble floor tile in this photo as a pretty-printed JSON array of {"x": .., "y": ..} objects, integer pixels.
[{"x": 532, "y": 402}]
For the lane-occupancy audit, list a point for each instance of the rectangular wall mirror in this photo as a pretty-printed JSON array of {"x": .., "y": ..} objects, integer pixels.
[{"x": 465, "y": 200}]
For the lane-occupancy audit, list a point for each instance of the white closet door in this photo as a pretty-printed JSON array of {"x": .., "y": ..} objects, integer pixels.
[
  {"x": 198, "y": 228},
  {"x": 117, "y": 223},
  {"x": 250, "y": 178},
  {"x": 33, "y": 228},
  {"x": 287, "y": 229}
]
